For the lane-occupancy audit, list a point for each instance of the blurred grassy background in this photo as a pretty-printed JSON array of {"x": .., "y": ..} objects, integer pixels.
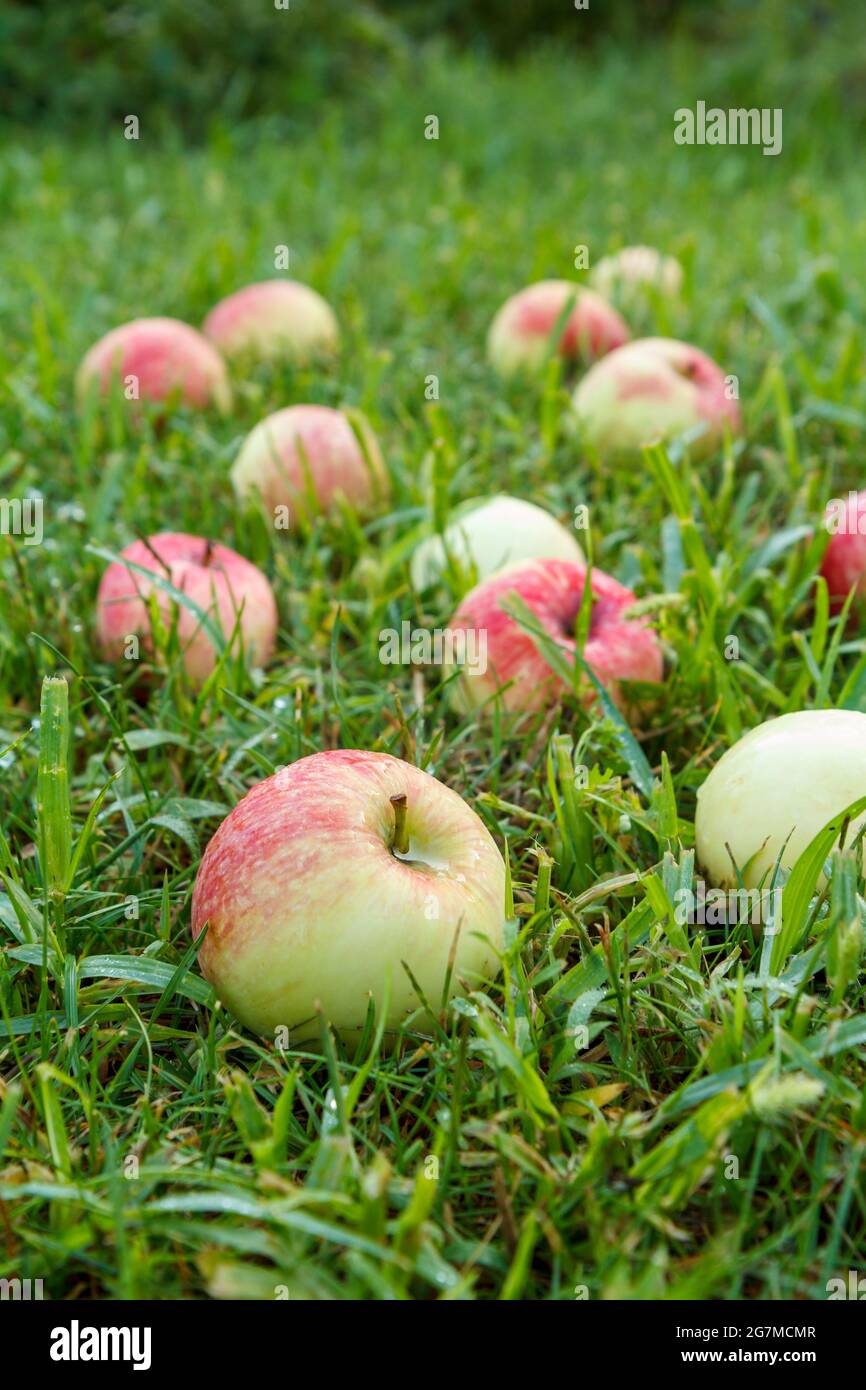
[{"x": 190, "y": 62}]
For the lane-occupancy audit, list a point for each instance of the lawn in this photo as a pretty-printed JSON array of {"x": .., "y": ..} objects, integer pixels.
[{"x": 706, "y": 1140}]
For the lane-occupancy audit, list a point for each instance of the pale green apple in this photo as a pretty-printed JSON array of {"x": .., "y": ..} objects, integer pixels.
[
  {"x": 775, "y": 789},
  {"x": 628, "y": 275},
  {"x": 487, "y": 535}
]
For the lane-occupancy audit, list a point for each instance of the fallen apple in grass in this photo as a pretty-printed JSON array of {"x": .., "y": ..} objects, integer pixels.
[
  {"x": 488, "y": 535},
  {"x": 233, "y": 593},
  {"x": 844, "y": 562},
  {"x": 775, "y": 789},
  {"x": 651, "y": 390},
  {"x": 157, "y": 359},
  {"x": 626, "y": 276},
  {"x": 305, "y": 458},
  {"x": 519, "y": 338},
  {"x": 331, "y": 874},
  {"x": 273, "y": 319},
  {"x": 617, "y": 647}
]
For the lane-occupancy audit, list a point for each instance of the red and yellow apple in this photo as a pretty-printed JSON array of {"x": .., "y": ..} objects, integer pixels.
[
  {"x": 652, "y": 390},
  {"x": 518, "y": 342},
  {"x": 273, "y": 319},
  {"x": 234, "y": 594},
  {"x": 306, "y": 457},
  {"x": 331, "y": 874},
  {"x": 157, "y": 359},
  {"x": 775, "y": 789},
  {"x": 617, "y": 648}
]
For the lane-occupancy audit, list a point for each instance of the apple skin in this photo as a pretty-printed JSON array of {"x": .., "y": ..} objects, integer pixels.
[
  {"x": 616, "y": 648},
  {"x": 654, "y": 389},
  {"x": 517, "y": 343},
  {"x": 271, "y": 320},
  {"x": 306, "y": 903},
  {"x": 844, "y": 561},
  {"x": 489, "y": 535},
  {"x": 275, "y": 455},
  {"x": 170, "y": 360},
  {"x": 788, "y": 776},
  {"x": 216, "y": 578},
  {"x": 625, "y": 277}
]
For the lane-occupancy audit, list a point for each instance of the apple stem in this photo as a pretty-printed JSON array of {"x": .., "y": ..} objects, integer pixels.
[{"x": 400, "y": 843}]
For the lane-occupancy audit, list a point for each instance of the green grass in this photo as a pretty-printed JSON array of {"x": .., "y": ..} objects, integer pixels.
[{"x": 153, "y": 1148}]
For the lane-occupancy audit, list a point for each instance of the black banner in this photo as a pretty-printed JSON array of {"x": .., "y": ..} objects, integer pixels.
[{"x": 65, "y": 1338}]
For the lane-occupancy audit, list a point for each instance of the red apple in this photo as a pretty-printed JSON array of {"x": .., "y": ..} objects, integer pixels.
[
  {"x": 519, "y": 337},
  {"x": 233, "y": 592},
  {"x": 617, "y": 648},
  {"x": 654, "y": 389},
  {"x": 156, "y": 360},
  {"x": 844, "y": 563},
  {"x": 277, "y": 318},
  {"x": 331, "y": 874},
  {"x": 306, "y": 457}
]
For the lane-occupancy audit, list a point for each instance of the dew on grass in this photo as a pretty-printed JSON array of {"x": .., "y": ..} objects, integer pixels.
[{"x": 71, "y": 511}]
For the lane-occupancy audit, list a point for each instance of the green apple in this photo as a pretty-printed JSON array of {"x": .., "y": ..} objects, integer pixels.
[{"x": 775, "y": 789}]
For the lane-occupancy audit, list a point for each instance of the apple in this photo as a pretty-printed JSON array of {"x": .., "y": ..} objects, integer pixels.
[
  {"x": 233, "y": 592},
  {"x": 306, "y": 457},
  {"x": 654, "y": 389},
  {"x": 488, "y": 535},
  {"x": 274, "y": 319},
  {"x": 626, "y": 276},
  {"x": 844, "y": 562},
  {"x": 156, "y": 359},
  {"x": 617, "y": 647},
  {"x": 331, "y": 874},
  {"x": 519, "y": 338},
  {"x": 775, "y": 789}
]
